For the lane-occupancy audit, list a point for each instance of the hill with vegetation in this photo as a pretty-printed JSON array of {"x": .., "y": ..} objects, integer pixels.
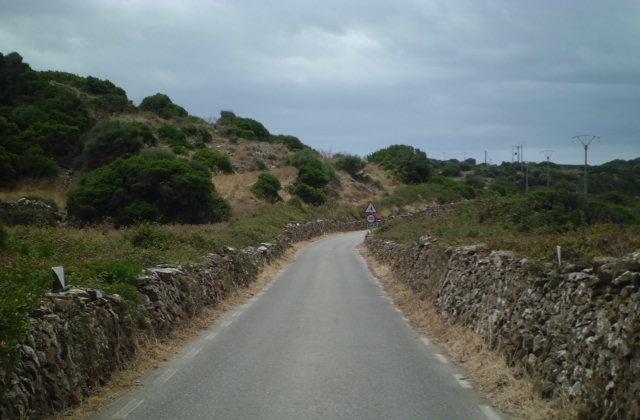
[{"x": 93, "y": 182}]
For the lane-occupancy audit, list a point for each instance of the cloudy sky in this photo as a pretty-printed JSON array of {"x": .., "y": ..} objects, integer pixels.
[{"x": 452, "y": 77}]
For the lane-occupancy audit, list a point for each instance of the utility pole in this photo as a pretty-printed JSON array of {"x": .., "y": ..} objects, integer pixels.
[
  {"x": 485, "y": 158},
  {"x": 548, "y": 154},
  {"x": 524, "y": 167},
  {"x": 585, "y": 140}
]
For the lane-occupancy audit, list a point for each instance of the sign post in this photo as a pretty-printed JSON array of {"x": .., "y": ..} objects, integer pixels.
[{"x": 371, "y": 218}]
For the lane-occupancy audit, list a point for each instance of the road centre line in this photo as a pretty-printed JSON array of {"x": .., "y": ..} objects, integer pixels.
[{"x": 127, "y": 409}]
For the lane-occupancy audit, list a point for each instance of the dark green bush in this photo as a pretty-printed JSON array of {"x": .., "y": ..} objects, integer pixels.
[
  {"x": 214, "y": 160},
  {"x": 173, "y": 136},
  {"x": 351, "y": 164},
  {"x": 309, "y": 194},
  {"x": 22, "y": 289},
  {"x": 200, "y": 135},
  {"x": 30, "y": 211},
  {"x": 245, "y": 128},
  {"x": 3, "y": 235},
  {"x": 267, "y": 187},
  {"x": 409, "y": 164},
  {"x": 111, "y": 140},
  {"x": 142, "y": 189},
  {"x": 290, "y": 142},
  {"x": 162, "y": 106}
]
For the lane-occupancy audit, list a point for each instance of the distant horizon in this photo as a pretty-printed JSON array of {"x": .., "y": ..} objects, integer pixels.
[{"x": 451, "y": 78}]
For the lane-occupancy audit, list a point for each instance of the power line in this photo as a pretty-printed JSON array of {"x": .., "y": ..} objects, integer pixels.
[
  {"x": 585, "y": 140},
  {"x": 548, "y": 154}
]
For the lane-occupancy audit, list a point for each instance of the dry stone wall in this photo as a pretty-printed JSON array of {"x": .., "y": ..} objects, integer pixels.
[
  {"x": 576, "y": 330},
  {"x": 78, "y": 338}
]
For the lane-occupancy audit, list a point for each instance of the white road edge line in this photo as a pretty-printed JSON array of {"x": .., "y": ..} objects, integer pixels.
[
  {"x": 127, "y": 409},
  {"x": 405, "y": 319},
  {"x": 166, "y": 376},
  {"x": 398, "y": 310},
  {"x": 192, "y": 353},
  {"x": 462, "y": 381},
  {"x": 211, "y": 336},
  {"x": 425, "y": 340},
  {"x": 225, "y": 324},
  {"x": 441, "y": 358},
  {"x": 489, "y": 412}
]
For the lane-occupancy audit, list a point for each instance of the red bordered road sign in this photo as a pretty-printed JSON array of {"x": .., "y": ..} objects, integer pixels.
[
  {"x": 371, "y": 209},
  {"x": 371, "y": 219}
]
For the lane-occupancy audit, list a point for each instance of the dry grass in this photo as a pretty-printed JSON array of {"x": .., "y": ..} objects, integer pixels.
[
  {"x": 153, "y": 351},
  {"x": 508, "y": 388},
  {"x": 236, "y": 188},
  {"x": 55, "y": 191}
]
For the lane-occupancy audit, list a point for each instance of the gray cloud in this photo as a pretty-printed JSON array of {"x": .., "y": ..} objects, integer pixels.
[{"x": 454, "y": 78}]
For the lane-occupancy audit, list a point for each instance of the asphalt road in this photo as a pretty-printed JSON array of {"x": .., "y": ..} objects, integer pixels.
[{"x": 323, "y": 341}]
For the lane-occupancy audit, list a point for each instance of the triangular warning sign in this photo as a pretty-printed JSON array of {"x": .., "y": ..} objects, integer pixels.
[{"x": 371, "y": 209}]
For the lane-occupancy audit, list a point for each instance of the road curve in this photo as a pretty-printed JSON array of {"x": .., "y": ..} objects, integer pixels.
[{"x": 323, "y": 341}]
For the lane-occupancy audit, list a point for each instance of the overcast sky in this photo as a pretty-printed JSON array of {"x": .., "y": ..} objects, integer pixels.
[{"x": 451, "y": 77}]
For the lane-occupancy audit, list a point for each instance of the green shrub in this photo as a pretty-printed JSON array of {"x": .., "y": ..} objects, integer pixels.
[
  {"x": 200, "y": 135},
  {"x": 351, "y": 164},
  {"x": 173, "y": 136},
  {"x": 245, "y": 128},
  {"x": 309, "y": 194},
  {"x": 148, "y": 236},
  {"x": 162, "y": 106},
  {"x": 267, "y": 187},
  {"x": 114, "y": 271},
  {"x": 214, "y": 160},
  {"x": 290, "y": 142},
  {"x": 111, "y": 140},
  {"x": 22, "y": 289},
  {"x": 3, "y": 236},
  {"x": 141, "y": 189},
  {"x": 409, "y": 164}
]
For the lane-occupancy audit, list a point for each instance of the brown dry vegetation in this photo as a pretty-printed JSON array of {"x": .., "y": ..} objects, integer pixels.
[
  {"x": 235, "y": 188},
  {"x": 510, "y": 389}
]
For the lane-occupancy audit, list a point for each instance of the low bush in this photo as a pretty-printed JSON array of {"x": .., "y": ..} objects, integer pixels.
[
  {"x": 162, "y": 106},
  {"x": 22, "y": 289},
  {"x": 351, "y": 164},
  {"x": 409, "y": 164},
  {"x": 173, "y": 136},
  {"x": 214, "y": 160},
  {"x": 140, "y": 189},
  {"x": 30, "y": 211},
  {"x": 111, "y": 140},
  {"x": 267, "y": 187},
  {"x": 309, "y": 194},
  {"x": 290, "y": 142},
  {"x": 245, "y": 128},
  {"x": 148, "y": 236}
]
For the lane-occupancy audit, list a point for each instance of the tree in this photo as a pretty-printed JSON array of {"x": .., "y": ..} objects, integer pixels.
[
  {"x": 409, "y": 164},
  {"x": 267, "y": 187},
  {"x": 143, "y": 189},
  {"x": 111, "y": 140},
  {"x": 161, "y": 105},
  {"x": 351, "y": 164},
  {"x": 214, "y": 160}
]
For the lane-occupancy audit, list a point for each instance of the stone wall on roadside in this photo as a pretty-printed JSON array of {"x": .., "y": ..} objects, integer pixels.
[
  {"x": 576, "y": 330},
  {"x": 80, "y": 337}
]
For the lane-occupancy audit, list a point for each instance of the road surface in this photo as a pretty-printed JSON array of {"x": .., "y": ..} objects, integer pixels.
[{"x": 322, "y": 341}]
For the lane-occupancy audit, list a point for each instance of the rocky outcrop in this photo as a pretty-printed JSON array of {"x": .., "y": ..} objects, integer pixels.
[
  {"x": 79, "y": 337},
  {"x": 27, "y": 211},
  {"x": 577, "y": 330}
]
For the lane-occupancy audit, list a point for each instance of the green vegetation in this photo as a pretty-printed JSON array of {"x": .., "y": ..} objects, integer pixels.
[
  {"x": 351, "y": 164},
  {"x": 174, "y": 137},
  {"x": 313, "y": 177},
  {"x": 161, "y": 105},
  {"x": 267, "y": 187},
  {"x": 409, "y": 164},
  {"x": 142, "y": 189},
  {"x": 245, "y": 128},
  {"x": 111, "y": 140},
  {"x": 290, "y": 142},
  {"x": 214, "y": 160},
  {"x": 534, "y": 224}
]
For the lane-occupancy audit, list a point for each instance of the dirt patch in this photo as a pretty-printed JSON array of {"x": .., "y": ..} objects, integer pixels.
[
  {"x": 153, "y": 351},
  {"x": 510, "y": 389}
]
